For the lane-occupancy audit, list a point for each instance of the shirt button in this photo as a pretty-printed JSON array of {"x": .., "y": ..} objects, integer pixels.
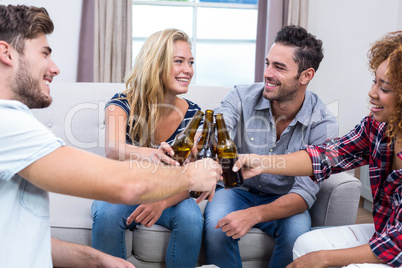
[
  {"x": 271, "y": 150},
  {"x": 252, "y": 139},
  {"x": 50, "y": 125}
]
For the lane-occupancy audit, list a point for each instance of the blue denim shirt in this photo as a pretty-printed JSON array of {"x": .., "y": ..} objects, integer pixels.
[{"x": 249, "y": 119}]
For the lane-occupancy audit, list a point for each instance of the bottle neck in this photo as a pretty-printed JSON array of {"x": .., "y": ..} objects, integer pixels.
[
  {"x": 192, "y": 127},
  {"x": 209, "y": 118},
  {"x": 210, "y": 134},
  {"x": 221, "y": 128}
]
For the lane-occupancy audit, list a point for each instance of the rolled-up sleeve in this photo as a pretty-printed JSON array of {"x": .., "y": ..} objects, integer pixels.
[{"x": 307, "y": 189}]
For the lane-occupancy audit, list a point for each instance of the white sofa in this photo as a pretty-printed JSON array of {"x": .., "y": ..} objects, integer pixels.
[{"x": 76, "y": 116}]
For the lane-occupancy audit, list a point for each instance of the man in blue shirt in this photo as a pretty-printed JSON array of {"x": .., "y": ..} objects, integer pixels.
[{"x": 278, "y": 116}]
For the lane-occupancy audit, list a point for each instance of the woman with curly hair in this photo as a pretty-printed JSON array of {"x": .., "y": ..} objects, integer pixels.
[
  {"x": 141, "y": 122},
  {"x": 376, "y": 141}
]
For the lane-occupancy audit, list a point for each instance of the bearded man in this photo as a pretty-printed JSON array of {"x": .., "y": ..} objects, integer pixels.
[
  {"x": 33, "y": 161},
  {"x": 278, "y": 116}
]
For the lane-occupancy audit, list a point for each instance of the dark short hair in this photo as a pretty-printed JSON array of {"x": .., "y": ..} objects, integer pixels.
[
  {"x": 20, "y": 23},
  {"x": 308, "y": 52}
]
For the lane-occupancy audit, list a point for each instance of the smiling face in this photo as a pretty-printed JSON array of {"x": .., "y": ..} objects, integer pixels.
[
  {"x": 382, "y": 96},
  {"x": 281, "y": 74},
  {"x": 34, "y": 74},
  {"x": 182, "y": 69}
]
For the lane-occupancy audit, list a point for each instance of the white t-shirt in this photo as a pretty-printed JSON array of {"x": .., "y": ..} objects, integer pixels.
[{"x": 24, "y": 208}]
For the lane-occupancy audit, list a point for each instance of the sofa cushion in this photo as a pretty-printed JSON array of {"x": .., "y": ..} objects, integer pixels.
[
  {"x": 150, "y": 244},
  {"x": 64, "y": 212}
]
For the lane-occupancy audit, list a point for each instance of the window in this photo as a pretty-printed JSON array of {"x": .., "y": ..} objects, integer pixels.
[{"x": 223, "y": 34}]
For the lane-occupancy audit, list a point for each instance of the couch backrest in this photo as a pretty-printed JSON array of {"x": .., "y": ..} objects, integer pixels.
[{"x": 77, "y": 112}]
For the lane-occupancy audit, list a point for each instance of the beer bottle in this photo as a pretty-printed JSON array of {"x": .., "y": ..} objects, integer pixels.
[
  {"x": 209, "y": 117},
  {"x": 207, "y": 146},
  {"x": 227, "y": 155},
  {"x": 207, "y": 150},
  {"x": 184, "y": 141}
]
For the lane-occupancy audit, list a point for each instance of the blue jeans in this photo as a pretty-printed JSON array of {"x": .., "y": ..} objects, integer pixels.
[
  {"x": 184, "y": 219},
  {"x": 223, "y": 251}
]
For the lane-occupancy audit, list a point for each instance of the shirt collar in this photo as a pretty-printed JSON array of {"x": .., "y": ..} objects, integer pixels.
[
  {"x": 262, "y": 103},
  {"x": 304, "y": 116}
]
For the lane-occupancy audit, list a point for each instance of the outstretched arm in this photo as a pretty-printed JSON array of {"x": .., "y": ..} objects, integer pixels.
[
  {"x": 293, "y": 164},
  {"x": 238, "y": 223},
  {"x": 75, "y": 172},
  {"x": 65, "y": 254}
]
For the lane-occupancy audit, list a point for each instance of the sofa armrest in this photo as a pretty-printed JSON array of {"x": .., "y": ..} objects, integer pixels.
[{"x": 337, "y": 201}]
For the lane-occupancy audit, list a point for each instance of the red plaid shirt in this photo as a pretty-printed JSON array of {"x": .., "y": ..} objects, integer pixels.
[{"x": 368, "y": 144}]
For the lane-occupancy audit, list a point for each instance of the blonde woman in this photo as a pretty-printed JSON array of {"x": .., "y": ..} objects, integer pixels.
[{"x": 140, "y": 123}]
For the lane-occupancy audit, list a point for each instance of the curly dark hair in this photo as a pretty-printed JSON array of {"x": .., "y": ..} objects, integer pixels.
[
  {"x": 390, "y": 48},
  {"x": 308, "y": 52},
  {"x": 19, "y": 23}
]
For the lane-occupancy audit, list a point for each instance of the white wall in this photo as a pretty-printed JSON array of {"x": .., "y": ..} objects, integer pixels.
[
  {"x": 66, "y": 16},
  {"x": 348, "y": 28}
]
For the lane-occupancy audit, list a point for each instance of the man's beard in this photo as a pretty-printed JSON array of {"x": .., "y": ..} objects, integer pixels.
[
  {"x": 286, "y": 92},
  {"x": 28, "y": 90}
]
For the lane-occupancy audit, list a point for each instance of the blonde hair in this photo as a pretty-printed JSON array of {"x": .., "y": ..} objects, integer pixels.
[
  {"x": 390, "y": 48},
  {"x": 145, "y": 84}
]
